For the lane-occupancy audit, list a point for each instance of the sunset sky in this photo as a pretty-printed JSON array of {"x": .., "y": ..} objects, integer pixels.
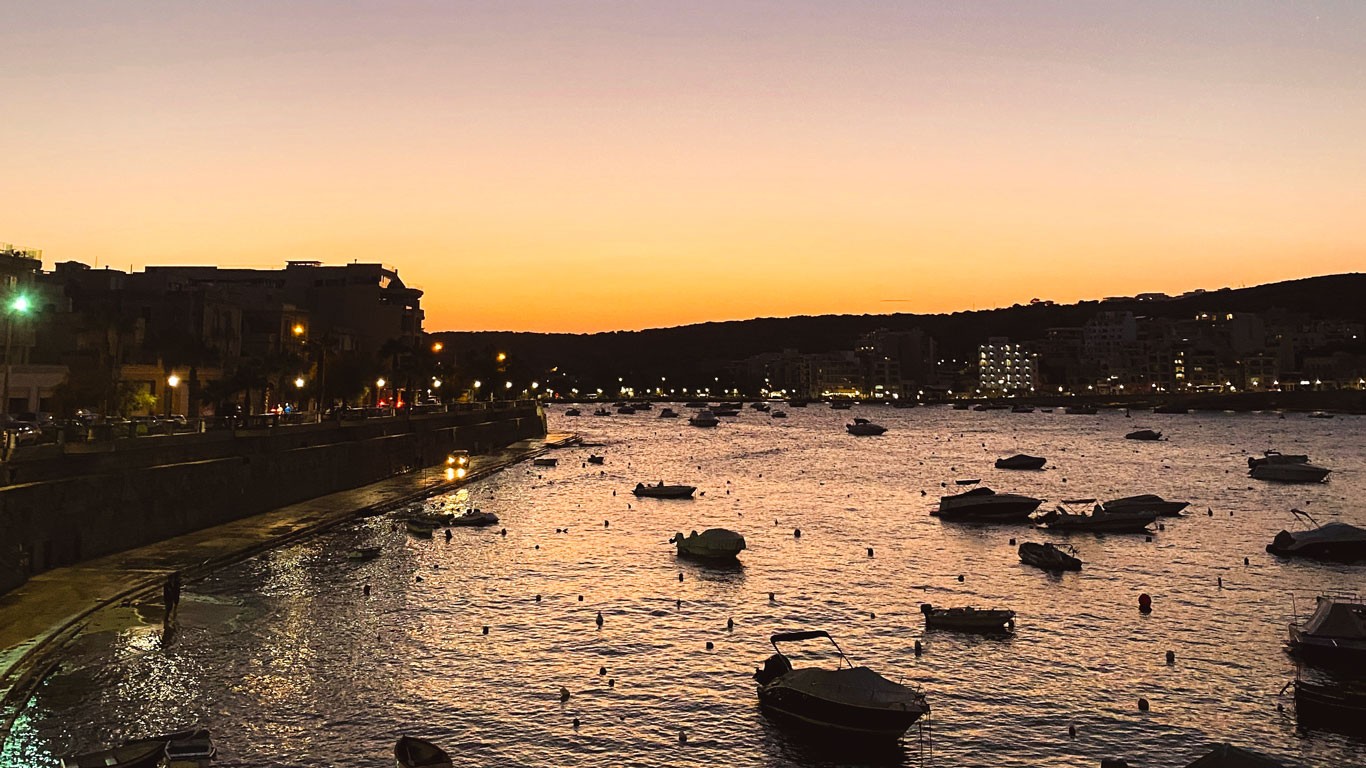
[{"x": 583, "y": 166}]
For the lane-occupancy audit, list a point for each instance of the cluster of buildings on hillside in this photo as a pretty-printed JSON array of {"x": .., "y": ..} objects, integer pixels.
[
  {"x": 1112, "y": 353},
  {"x": 185, "y": 339}
]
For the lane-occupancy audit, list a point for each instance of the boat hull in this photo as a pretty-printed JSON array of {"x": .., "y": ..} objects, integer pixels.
[
  {"x": 1001, "y": 511},
  {"x": 837, "y": 718},
  {"x": 1333, "y": 708}
]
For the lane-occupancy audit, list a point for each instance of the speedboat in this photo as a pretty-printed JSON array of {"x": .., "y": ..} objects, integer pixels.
[
  {"x": 1144, "y": 434},
  {"x": 1146, "y": 501},
  {"x": 1276, "y": 457},
  {"x": 1021, "y": 461},
  {"x": 1334, "y": 541},
  {"x": 412, "y": 752},
  {"x": 987, "y": 505},
  {"x": 1171, "y": 409},
  {"x": 1022, "y": 409},
  {"x": 1132, "y": 520},
  {"x": 761, "y": 407},
  {"x": 960, "y": 406},
  {"x": 1290, "y": 472},
  {"x": 602, "y": 412},
  {"x": 1048, "y": 557},
  {"x": 572, "y": 412},
  {"x": 595, "y": 459},
  {"x": 711, "y": 544},
  {"x": 1335, "y": 633},
  {"x": 724, "y": 410},
  {"x": 1080, "y": 410},
  {"x": 668, "y": 413},
  {"x": 853, "y": 702},
  {"x": 703, "y": 418},
  {"x": 663, "y": 491},
  {"x": 864, "y": 428},
  {"x": 644, "y": 405},
  {"x": 778, "y": 415},
  {"x": 840, "y": 405},
  {"x": 626, "y": 409},
  {"x": 796, "y": 403},
  {"x": 1337, "y": 707},
  {"x": 695, "y": 404},
  {"x": 968, "y": 619},
  {"x": 420, "y": 528},
  {"x": 474, "y": 517}
]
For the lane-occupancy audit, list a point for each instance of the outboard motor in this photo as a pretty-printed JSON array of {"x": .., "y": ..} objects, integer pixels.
[{"x": 775, "y": 666}]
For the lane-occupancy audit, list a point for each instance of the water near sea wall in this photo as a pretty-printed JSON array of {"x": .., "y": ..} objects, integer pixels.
[{"x": 115, "y": 500}]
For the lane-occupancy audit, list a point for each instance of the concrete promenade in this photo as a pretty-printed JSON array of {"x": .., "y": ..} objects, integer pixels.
[{"x": 39, "y": 617}]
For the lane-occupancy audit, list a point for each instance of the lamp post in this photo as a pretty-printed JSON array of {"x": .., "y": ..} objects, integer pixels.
[
  {"x": 19, "y": 305},
  {"x": 379, "y": 387}
]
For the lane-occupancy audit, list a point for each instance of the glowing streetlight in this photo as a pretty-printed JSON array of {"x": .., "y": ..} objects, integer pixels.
[
  {"x": 380, "y": 382},
  {"x": 502, "y": 357},
  {"x": 298, "y": 329},
  {"x": 299, "y": 383},
  {"x": 18, "y": 306},
  {"x": 437, "y": 347},
  {"x": 436, "y": 383},
  {"x": 173, "y": 380}
]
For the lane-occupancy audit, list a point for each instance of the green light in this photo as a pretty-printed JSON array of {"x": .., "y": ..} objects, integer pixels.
[{"x": 20, "y": 304}]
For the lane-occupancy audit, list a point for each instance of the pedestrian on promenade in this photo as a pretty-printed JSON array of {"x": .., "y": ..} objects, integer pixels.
[{"x": 170, "y": 593}]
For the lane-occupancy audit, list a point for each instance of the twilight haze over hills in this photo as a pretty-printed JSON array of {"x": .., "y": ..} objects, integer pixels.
[{"x": 602, "y": 165}]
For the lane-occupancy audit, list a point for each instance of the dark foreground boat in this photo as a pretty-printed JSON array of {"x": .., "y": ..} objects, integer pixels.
[
  {"x": 1048, "y": 557},
  {"x": 1334, "y": 634},
  {"x": 1021, "y": 461},
  {"x": 849, "y": 702},
  {"x": 1144, "y": 434},
  {"x": 1335, "y": 707},
  {"x": 410, "y": 752},
  {"x": 1335, "y": 541},
  {"x": 1229, "y": 756},
  {"x": 986, "y": 505},
  {"x": 1146, "y": 502},
  {"x": 182, "y": 746},
  {"x": 968, "y": 619}
]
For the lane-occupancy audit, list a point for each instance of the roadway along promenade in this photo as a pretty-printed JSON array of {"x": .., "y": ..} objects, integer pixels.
[{"x": 47, "y": 611}]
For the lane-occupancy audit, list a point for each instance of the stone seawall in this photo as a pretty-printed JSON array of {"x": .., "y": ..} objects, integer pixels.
[{"x": 110, "y": 500}]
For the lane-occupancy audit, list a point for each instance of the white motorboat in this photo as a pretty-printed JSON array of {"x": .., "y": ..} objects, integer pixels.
[
  {"x": 703, "y": 418},
  {"x": 851, "y": 702},
  {"x": 984, "y": 504},
  {"x": 711, "y": 544}
]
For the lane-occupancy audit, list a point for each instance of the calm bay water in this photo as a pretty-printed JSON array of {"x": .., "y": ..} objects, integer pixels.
[{"x": 290, "y": 665}]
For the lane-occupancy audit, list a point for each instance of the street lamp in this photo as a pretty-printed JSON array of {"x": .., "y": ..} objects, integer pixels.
[
  {"x": 18, "y": 306},
  {"x": 437, "y": 347},
  {"x": 172, "y": 382},
  {"x": 299, "y": 383}
]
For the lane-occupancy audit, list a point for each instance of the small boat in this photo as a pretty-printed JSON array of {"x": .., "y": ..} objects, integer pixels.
[
  {"x": 1320, "y": 415},
  {"x": 595, "y": 459},
  {"x": 189, "y": 745},
  {"x": 761, "y": 407},
  {"x": 703, "y": 418},
  {"x": 626, "y": 409},
  {"x": 968, "y": 619},
  {"x": 1335, "y": 541},
  {"x": 545, "y": 462},
  {"x": 1179, "y": 409},
  {"x": 796, "y": 403},
  {"x": 1045, "y": 410},
  {"x": 1022, "y": 409},
  {"x": 851, "y": 702},
  {"x": 722, "y": 410},
  {"x": 1290, "y": 472},
  {"x": 643, "y": 406},
  {"x": 1335, "y": 633},
  {"x": 1144, "y": 434},
  {"x": 1080, "y": 410},
  {"x": 1276, "y": 457},
  {"x": 1048, "y": 557},
  {"x": 184, "y": 749},
  {"x": 1229, "y": 756},
  {"x": 663, "y": 491},
  {"x": 984, "y": 504},
  {"x": 573, "y": 412},
  {"x": 1021, "y": 461},
  {"x": 711, "y": 544},
  {"x": 840, "y": 405},
  {"x": 363, "y": 553},
  {"x": 778, "y": 415},
  {"x": 1340, "y": 707},
  {"x": 864, "y": 428},
  {"x": 1130, "y": 520},
  {"x": 474, "y": 517},
  {"x": 420, "y": 528},
  {"x": 602, "y": 412},
  {"x": 1146, "y": 501},
  {"x": 695, "y": 404},
  {"x": 668, "y": 413},
  {"x": 412, "y": 752},
  {"x": 960, "y": 406}
]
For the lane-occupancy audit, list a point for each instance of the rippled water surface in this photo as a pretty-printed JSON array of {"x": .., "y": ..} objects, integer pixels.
[{"x": 289, "y": 664}]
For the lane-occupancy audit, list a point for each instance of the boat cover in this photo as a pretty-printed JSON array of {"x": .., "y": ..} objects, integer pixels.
[
  {"x": 1337, "y": 619},
  {"x": 1332, "y": 533},
  {"x": 860, "y": 687},
  {"x": 1229, "y": 756}
]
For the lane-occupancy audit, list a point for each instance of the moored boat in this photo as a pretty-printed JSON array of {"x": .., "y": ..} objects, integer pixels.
[
  {"x": 572, "y": 412},
  {"x": 626, "y": 409},
  {"x": 1144, "y": 434},
  {"x": 1048, "y": 557},
  {"x": 363, "y": 553},
  {"x": 1335, "y": 633},
  {"x": 1334, "y": 541},
  {"x": 1229, "y": 756},
  {"x": 474, "y": 517},
  {"x": 1337, "y": 707},
  {"x": 1290, "y": 472},
  {"x": 984, "y": 504},
  {"x": 778, "y": 415},
  {"x": 668, "y": 413},
  {"x": 1021, "y": 461},
  {"x": 864, "y": 428},
  {"x": 189, "y": 745},
  {"x": 849, "y": 702},
  {"x": 595, "y": 459},
  {"x": 545, "y": 462},
  {"x": 1022, "y": 409},
  {"x": 662, "y": 491},
  {"x": 841, "y": 405},
  {"x": 1276, "y": 457},
  {"x": 703, "y": 418},
  {"x": 711, "y": 544},
  {"x": 968, "y": 619},
  {"x": 1080, "y": 410},
  {"x": 602, "y": 412},
  {"x": 411, "y": 752},
  {"x": 1146, "y": 501},
  {"x": 418, "y": 527},
  {"x": 1099, "y": 519}
]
